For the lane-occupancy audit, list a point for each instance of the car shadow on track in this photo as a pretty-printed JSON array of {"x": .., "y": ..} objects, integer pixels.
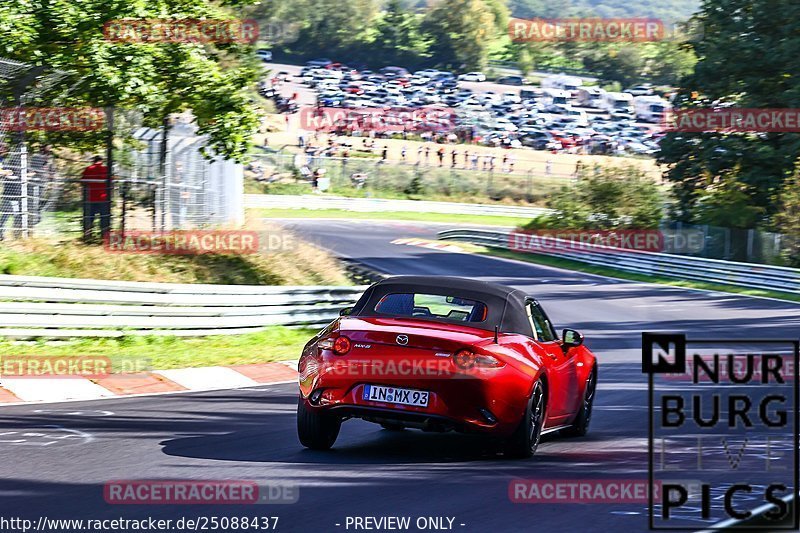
[
  {"x": 275, "y": 441},
  {"x": 359, "y": 443}
]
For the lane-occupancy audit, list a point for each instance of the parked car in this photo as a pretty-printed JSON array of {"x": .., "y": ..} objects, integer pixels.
[
  {"x": 512, "y": 80},
  {"x": 472, "y": 76},
  {"x": 645, "y": 89},
  {"x": 394, "y": 72},
  {"x": 264, "y": 54},
  {"x": 321, "y": 62}
]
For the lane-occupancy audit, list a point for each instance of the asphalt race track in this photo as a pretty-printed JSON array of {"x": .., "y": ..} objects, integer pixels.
[{"x": 56, "y": 458}]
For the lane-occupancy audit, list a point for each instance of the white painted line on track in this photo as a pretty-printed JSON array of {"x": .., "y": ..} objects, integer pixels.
[
  {"x": 54, "y": 389},
  {"x": 147, "y": 394},
  {"x": 207, "y": 378}
]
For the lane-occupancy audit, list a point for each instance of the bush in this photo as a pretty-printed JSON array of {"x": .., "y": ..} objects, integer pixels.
[
  {"x": 788, "y": 220},
  {"x": 605, "y": 198}
]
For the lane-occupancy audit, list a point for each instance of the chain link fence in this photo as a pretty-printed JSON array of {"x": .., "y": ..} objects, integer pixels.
[{"x": 157, "y": 182}]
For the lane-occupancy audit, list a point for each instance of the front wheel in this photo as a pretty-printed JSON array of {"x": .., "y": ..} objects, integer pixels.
[
  {"x": 525, "y": 440},
  {"x": 580, "y": 426},
  {"x": 317, "y": 431}
]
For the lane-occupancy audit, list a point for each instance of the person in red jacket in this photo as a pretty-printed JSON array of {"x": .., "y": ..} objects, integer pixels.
[{"x": 95, "y": 198}]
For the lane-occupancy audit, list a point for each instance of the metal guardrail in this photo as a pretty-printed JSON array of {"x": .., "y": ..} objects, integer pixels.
[
  {"x": 369, "y": 205},
  {"x": 59, "y": 307},
  {"x": 652, "y": 263}
]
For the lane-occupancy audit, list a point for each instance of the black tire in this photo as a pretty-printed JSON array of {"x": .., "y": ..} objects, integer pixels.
[
  {"x": 317, "y": 431},
  {"x": 580, "y": 427},
  {"x": 525, "y": 440},
  {"x": 392, "y": 426}
]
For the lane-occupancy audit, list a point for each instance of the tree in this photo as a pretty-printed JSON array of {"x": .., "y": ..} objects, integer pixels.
[
  {"x": 210, "y": 80},
  {"x": 727, "y": 203},
  {"x": 668, "y": 62},
  {"x": 787, "y": 221},
  {"x": 624, "y": 64},
  {"x": 746, "y": 60},
  {"x": 461, "y": 32},
  {"x": 323, "y": 27},
  {"x": 605, "y": 198},
  {"x": 398, "y": 38}
]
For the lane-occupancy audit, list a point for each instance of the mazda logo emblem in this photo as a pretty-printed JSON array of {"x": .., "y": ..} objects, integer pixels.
[{"x": 402, "y": 340}]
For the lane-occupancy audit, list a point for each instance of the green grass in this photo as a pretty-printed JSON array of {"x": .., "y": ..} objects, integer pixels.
[
  {"x": 578, "y": 266},
  {"x": 298, "y": 264},
  {"x": 487, "y": 220},
  {"x": 160, "y": 353}
]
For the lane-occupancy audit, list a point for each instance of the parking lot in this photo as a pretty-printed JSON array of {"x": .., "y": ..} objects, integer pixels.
[{"x": 487, "y": 113}]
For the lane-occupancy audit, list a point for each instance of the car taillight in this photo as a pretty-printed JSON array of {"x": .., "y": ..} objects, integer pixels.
[
  {"x": 466, "y": 359},
  {"x": 341, "y": 345}
]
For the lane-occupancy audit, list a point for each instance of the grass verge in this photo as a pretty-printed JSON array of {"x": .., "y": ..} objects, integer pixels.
[
  {"x": 161, "y": 353},
  {"x": 293, "y": 263},
  {"x": 486, "y": 220},
  {"x": 578, "y": 266}
]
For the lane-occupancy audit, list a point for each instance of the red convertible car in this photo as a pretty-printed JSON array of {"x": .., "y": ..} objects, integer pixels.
[{"x": 441, "y": 354}]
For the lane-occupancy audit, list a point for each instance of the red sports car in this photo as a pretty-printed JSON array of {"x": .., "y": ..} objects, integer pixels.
[{"x": 443, "y": 353}]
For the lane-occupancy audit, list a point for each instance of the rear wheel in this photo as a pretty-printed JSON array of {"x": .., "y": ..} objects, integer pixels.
[
  {"x": 317, "y": 431},
  {"x": 580, "y": 426},
  {"x": 525, "y": 440}
]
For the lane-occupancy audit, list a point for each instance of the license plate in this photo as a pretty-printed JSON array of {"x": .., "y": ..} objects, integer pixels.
[{"x": 377, "y": 393}]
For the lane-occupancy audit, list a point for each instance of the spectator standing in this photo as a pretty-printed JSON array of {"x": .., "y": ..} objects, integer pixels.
[
  {"x": 511, "y": 161},
  {"x": 384, "y": 153},
  {"x": 315, "y": 180},
  {"x": 453, "y": 158},
  {"x": 578, "y": 170},
  {"x": 419, "y": 154},
  {"x": 440, "y": 155},
  {"x": 474, "y": 159},
  {"x": 427, "y": 155},
  {"x": 95, "y": 199},
  {"x": 403, "y": 151}
]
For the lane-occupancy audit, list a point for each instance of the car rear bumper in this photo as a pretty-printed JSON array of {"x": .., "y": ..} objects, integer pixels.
[{"x": 490, "y": 400}]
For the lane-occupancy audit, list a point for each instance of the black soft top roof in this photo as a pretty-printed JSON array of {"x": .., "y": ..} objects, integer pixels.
[{"x": 506, "y": 305}]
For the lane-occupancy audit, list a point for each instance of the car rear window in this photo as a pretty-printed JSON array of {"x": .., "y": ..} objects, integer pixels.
[{"x": 432, "y": 306}]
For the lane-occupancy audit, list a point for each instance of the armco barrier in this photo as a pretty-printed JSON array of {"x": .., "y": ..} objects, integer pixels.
[
  {"x": 59, "y": 307},
  {"x": 654, "y": 264}
]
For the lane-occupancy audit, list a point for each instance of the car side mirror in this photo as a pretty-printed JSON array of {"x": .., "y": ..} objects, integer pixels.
[
  {"x": 571, "y": 338},
  {"x": 346, "y": 311}
]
